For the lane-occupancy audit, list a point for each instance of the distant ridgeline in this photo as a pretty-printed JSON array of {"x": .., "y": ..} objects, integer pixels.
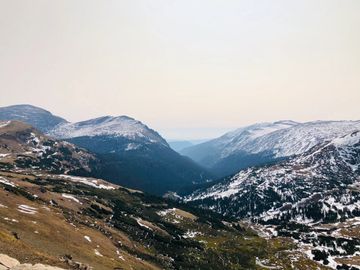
[{"x": 264, "y": 143}]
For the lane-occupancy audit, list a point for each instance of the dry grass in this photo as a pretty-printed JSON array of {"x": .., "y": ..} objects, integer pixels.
[{"x": 47, "y": 235}]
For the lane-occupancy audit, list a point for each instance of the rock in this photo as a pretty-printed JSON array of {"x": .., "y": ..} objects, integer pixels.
[
  {"x": 7, "y": 261},
  {"x": 16, "y": 235},
  {"x": 74, "y": 265},
  {"x": 35, "y": 267}
]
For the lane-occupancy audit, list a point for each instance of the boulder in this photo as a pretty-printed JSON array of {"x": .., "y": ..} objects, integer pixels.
[{"x": 7, "y": 261}]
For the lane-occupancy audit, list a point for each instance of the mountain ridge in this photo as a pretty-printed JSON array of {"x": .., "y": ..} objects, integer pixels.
[
  {"x": 122, "y": 126},
  {"x": 263, "y": 143},
  {"x": 129, "y": 152},
  {"x": 312, "y": 198},
  {"x": 35, "y": 116}
]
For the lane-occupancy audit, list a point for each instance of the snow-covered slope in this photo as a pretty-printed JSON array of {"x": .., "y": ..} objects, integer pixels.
[
  {"x": 300, "y": 138},
  {"x": 327, "y": 170},
  {"x": 121, "y": 126},
  {"x": 261, "y": 143},
  {"x": 35, "y": 116},
  {"x": 313, "y": 198}
]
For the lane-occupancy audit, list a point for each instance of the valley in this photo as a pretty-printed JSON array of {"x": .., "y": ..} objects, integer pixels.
[
  {"x": 88, "y": 195},
  {"x": 179, "y": 135}
]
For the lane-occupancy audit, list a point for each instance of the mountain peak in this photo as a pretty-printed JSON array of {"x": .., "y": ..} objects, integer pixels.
[
  {"x": 117, "y": 126},
  {"x": 24, "y": 107},
  {"x": 35, "y": 116},
  {"x": 287, "y": 122}
]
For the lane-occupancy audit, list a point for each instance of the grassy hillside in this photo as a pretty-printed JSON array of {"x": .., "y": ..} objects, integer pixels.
[{"x": 70, "y": 221}]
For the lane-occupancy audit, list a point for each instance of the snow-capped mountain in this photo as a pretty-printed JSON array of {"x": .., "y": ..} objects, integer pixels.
[
  {"x": 313, "y": 198},
  {"x": 34, "y": 116},
  {"x": 300, "y": 138},
  {"x": 267, "y": 142},
  {"x": 131, "y": 153},
  {"x": 122, "y": 126},
  {"x": 328, "y": 172}
]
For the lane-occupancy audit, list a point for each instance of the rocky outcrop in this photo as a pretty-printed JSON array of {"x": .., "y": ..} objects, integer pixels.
[{"x": 8, "y": 263}]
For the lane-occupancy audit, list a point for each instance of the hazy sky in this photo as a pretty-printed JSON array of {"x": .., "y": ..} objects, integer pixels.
[{"x": 187, "y": 68}]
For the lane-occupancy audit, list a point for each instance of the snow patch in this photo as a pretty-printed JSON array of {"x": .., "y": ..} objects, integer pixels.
[
  {"x": 67, "y": 196},
  {"x": 23, "y": 208},
  {"x": 97, "y": 253},
  {"x": 86, "y": 181},
  {"x": 6, "y": 182},
  {"x": 139, "y": 221},
  {"x": 4, "y": 124},
  {"x": 87, "y": 238},
  {"x": 191, "y": 234}
]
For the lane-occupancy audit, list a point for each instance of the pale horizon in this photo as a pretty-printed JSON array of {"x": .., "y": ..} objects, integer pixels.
[{"x": 190, "y": 70}]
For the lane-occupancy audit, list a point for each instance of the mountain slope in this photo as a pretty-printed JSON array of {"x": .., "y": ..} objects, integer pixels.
[
  {"x": 313, "y": 197},
  {"x": 262, "y": 143},
  {"x": 132, "y": 154},
  {"x": 327, "y": 166},
  {"x": 22, "y": 147},
  {"x": 84, "y": 223},
  {"x": 34, "y": 116},
  {"x": 122, "y": 126}
]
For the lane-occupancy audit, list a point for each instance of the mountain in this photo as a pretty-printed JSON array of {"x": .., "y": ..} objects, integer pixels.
[
  {"x": 263, "y": 143},
  {"x": 84, "y": 223},
  {"x": 50, "y": 215},
  {"x": 36, "y": 117},
  {"x": 303, "y": 197},
  {"x": 22, "y": 147},
  {"x": 330, "y": 165},
  {"x": 122, "y": 126},
  {"x": 180, "y": 145},
  {"x": 132, "y": 154}
]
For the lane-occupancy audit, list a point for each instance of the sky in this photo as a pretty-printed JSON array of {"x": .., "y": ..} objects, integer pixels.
[{"x": 190, "y": 69}]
